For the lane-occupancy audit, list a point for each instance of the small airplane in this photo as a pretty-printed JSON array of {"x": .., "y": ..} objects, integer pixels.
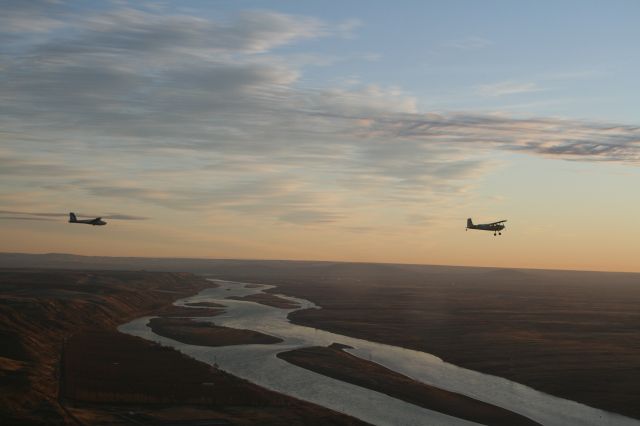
[
  {"x": 94, "y": 222},
  {"x": 496, "y": 227}
]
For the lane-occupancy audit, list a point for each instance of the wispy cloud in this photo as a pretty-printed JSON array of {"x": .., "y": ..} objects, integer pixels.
[
  {"x": 506, "y": 88},
  {"x": 120, "y": 216},
  {"x": 306, "y": 217},
  {"x": 25, "y": 218},
  {"x": 14, "y": 165},
  {"x": 36, "y": 16},
  {"x": 201, "y": 114},
  {"x": 11, "y": 214}
]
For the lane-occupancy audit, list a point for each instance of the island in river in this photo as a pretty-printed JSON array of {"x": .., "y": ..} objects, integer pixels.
[
  {"x": 333, "y": 361},
  {"x": 192, "y": 332},
  {"x": 573, "y": 334}
]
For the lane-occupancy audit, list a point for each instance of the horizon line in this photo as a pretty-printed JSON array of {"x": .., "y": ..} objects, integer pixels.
[{"x": 326, "y": 261}]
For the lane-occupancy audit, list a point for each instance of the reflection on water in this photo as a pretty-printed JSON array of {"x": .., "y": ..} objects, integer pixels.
[{"x": 259, "y": 364}]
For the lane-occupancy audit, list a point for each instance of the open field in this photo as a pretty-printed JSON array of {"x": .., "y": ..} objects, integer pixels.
[
  {"x": 106, "y": 375},
  {"x": 568, "y": 333},
  {"x": 332, "y": 361},
  {"x": 205, "y": 304},
  {"x": 269, "y": 300},
  {"x": 152, "y": 384},
  {"x": 184, "y": 311},
  {"x": 571, "y": 334},
  {"x": 39, "y": 309},
  {"x": 205, "y": 334}
]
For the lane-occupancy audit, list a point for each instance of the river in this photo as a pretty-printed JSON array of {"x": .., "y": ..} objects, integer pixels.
[{"x": 259, "y": 364}]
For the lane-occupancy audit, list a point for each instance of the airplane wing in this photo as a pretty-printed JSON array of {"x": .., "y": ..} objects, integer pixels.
[
  {"x": 97, "y": 219},
  {"x": 498, "y": 222}
]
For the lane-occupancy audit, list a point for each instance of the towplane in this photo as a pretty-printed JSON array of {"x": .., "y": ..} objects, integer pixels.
[
  {"x": 496, "y": 227},
  {"x": 97, "y": 221}
]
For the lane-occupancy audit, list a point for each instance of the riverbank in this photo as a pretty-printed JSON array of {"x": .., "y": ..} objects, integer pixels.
[
  {"x": 333, "y": 361},
  {"x": 40, "y": 310},
  {"x": 191, "y": 332},
  {"x": 268, "y": 299},
  {"x": 155, "y": 384},
  {"x": 570, "y": 334}
]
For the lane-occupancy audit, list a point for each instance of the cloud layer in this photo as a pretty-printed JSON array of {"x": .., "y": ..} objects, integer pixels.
[
  {"x": 194, "y": 113},
  {"x": 21, "y": 215}
]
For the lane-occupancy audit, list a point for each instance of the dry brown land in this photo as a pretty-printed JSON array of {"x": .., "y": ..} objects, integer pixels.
[
  {"x": 183, "y": 311},
  {"x": 571, "y": 334},
  {"x": 206, "y": 304},
  {"x": 269, "y": 300},
  {"x": 253, "y": 285},
  {"x": 332, "y": 361},
  {"x": 103, "y": 370},
  {"x": 40, "y": 309},
  {"x": 205, "y": 334},
  {"x": 567, "y": 333}
]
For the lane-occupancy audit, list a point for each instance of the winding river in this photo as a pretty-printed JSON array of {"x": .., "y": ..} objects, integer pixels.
[{"x": 259, "y": 364}]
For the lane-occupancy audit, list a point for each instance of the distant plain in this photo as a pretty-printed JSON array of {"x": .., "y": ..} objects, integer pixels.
[{"x": 572, "y": 334}]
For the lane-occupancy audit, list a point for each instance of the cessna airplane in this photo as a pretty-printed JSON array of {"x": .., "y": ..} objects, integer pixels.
[
  {"x": 496, "y": 227},
  {"x": 94, "y": 222}
]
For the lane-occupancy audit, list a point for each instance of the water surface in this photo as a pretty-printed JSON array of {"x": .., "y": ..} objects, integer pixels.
[{"x": 259, "y": 364}]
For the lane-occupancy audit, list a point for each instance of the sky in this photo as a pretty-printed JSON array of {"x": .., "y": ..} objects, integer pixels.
[{"x": 348, "y": 131}]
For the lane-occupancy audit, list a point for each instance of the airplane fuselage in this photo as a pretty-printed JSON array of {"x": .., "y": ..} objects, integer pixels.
[
  {"x": 494, "y": 227},
  {"x": 95, "y": 222},
  {"x": 91, "y": 222}
]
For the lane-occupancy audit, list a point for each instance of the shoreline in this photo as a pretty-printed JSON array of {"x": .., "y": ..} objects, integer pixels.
[
  {"x": 568, "y": 334},
  {"x": 258, "y": 365},
  {"x": 51, "y": 322},
  {"x": 187, "y": 331},
  {"x": 333, "y": 361}
]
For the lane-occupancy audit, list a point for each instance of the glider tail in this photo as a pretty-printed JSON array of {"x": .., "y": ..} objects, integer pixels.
[
  {"x": 469, "y": 223},
  {"x": 72, "y": 218}
]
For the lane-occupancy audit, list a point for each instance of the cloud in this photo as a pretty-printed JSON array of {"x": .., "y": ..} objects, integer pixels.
[
  {"x": 551, "y": 137},
  {"x": 38, "y": 214},
  {"x": 469, "y": 43},
  {"x": 120, "y": 216},
  {"x": 506, "y": 88},
  {"x": 306, "y": 217},
  {"x": 129, "y": 31},
  {"x": 24, "y": 218},
  {"x": 34, "y": 16},
  {"x": 201, "y": 114},
  {"x": 21, "y": 215}
]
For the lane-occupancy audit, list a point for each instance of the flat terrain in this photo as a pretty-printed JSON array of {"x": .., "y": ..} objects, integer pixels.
[
  {"x": 62, "y": 362},
  {"x": 205, "y": 334},
  {"x": 156, "y": 384},
  {"x": 332, "y": 361},
  {"x": 269, "y": 300},
  {"x": 183, "y": 311},
  {"x": 40, "y": 308},
  {"x": 205, "y": 304},
  {"x": 571, "y": 334}
]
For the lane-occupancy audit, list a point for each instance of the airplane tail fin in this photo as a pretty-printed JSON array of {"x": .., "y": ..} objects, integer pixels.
[
  {"x": 469, "y": 223},
  {"x": 72, "y": 217}
]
